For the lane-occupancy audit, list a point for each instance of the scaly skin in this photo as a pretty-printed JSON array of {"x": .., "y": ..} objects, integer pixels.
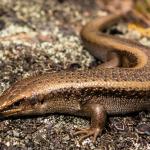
[{"x": 92, "y": 92}]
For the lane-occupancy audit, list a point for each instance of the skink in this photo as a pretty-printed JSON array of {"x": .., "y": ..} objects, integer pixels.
[{"x": 112, "y": 88}]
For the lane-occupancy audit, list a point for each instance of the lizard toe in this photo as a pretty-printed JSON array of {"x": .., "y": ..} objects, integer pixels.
[{"x": 87, "y": 132}]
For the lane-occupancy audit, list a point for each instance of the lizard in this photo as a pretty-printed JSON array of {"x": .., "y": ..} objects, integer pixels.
[{"x": 109, "y": 89}]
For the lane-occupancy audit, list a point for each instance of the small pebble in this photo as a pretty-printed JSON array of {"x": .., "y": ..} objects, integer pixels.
[
  {"x": 2, "y": 24},
  {"x": 143, "y": 129}
]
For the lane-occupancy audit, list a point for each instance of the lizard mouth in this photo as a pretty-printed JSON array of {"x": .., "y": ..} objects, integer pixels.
[
  {"x": 21, "y": 107},
  {"x": 14, "y": 109}
]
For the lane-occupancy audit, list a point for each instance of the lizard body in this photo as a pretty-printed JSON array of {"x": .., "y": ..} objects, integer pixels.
[{"x": 106, "y": 89}]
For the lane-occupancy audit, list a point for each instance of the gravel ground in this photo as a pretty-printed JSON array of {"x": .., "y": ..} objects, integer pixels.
[{"x": 43, "y": 36}]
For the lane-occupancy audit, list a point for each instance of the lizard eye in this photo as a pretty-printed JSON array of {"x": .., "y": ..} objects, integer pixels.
[{"x": 33, "y": 101}]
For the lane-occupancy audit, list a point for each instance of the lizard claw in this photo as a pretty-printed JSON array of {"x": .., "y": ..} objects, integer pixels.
[{"x": 87, "y": 132}]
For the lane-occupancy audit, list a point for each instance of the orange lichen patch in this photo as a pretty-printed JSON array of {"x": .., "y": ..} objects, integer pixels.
[{"x": 143, "y": 31}]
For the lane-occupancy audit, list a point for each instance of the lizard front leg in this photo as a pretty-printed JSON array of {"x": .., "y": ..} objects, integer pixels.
[{"x": 97, "y": 114}]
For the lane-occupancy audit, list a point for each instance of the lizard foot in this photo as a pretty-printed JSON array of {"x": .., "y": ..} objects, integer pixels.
[{"x": 87, "y": 132}]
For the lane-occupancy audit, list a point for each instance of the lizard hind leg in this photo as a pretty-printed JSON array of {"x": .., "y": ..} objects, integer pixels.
[{"x": 97, "y": 114}]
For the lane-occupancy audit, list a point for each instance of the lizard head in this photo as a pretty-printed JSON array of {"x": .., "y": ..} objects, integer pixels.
[{"x": 18, "y": 100}]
